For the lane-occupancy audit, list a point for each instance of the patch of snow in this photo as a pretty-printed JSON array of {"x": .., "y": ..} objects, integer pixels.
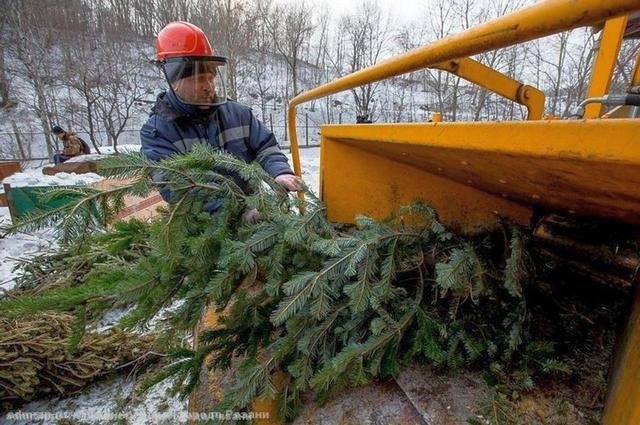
[
  {"x": 111, "y": 318},
  {"x": 34, "y": 177},
  {"x": 310, "y": 164},
  {"x": 109, "y": 402},
  {"x": 156, "y": 323},
  {"x": 87, "y": 157},
  {"x": 158, "y": 406},
  {"x": 17, "y": 246},
  {"x": 108, "y": 150},
  {"x": 105, "y": 151}
]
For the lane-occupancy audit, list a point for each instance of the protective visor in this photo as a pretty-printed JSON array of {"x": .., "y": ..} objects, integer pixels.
[{"x": 198, "y": 81}]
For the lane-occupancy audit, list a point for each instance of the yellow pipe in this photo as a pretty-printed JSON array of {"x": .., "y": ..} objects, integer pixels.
[
  {"x": 495, "y": 81},
  {"x": 608, "y": 50},
  {"x": 635, "y": 80},
  {"x": 538, "y": 20}
]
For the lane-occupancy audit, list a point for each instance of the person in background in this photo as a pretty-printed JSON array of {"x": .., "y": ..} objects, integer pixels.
[{"x": 73, "y": 145}]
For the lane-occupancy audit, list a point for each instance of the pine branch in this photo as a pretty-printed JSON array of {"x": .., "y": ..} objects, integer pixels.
[
  {"x": 339, "y": 304},
  {"x": 517, "y": 266}
]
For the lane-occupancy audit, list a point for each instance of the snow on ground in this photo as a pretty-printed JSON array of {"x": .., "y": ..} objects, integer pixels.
[
  {"x": 105, "y": 151},
  {"x": 109, "y": 401},
  {"x": 19, "y": 245},
  {"x": 108, "y": 150},
  {"x": 34, "y": 177},
  {"x": 310, "y": 164},
  {"x": 23, "y": 245}
]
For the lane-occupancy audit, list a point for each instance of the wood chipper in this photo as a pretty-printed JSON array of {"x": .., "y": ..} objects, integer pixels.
[{"x": 542, "y": 172}]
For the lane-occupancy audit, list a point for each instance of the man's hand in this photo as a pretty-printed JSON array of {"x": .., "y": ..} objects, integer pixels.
[
  {"x": 251, "y": 216},
  {"x": 290, "y": 182}
]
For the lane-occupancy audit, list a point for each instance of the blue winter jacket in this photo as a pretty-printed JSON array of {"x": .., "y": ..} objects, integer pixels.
[{"x": 174, "y": 128}]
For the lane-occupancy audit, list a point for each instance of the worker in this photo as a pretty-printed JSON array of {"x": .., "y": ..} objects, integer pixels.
[
  {"x": 72, "y": 145},
  {"x": 195, "y": 110}
]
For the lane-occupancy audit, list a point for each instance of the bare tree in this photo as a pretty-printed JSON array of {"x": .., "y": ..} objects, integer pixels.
[
  {"x": 580, "y": 57},
  {"x": 258, "y": 65},
  {"x": 166, "y": 11},
  {"x": 291, "y": 27},
  {"x": 368, "y": 36},
  {"x": 233, "y": 26},
  {"x": 625, "y": 65},
  {"x": 4, "y": 79},
  {"x": 553, "y": 70},
  {"x": 443, "y": 84},
  {"x": 32, "y": 44},
  {"x": 84, "y": 73},
  {"x": 144, "y": 13},
  {"x": 470, "y": 13},
  {"x": 321, "y": 61},
  {"x": 23, "y": 146},
  {"x": 120, "y": 90}
]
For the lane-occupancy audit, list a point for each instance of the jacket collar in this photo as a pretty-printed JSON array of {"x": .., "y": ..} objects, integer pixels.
[{"x": 170, "y": 108}]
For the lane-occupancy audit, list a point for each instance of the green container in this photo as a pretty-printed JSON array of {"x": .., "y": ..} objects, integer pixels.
[{"x": 23, "y": 200}]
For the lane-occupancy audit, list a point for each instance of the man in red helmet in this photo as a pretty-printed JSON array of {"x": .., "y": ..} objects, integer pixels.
[{"x": 195, "y": 110}]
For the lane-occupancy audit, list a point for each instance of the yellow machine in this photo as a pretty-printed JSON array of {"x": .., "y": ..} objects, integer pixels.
[{"x": 477, "y": 173}]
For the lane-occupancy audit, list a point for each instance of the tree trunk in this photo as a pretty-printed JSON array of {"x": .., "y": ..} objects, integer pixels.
[
  {"x": 4, "y": 84},
  {"x": 19, "y": 142}
]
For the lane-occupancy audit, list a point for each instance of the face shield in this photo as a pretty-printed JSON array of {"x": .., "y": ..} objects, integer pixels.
[{"x": 197, "y": 81}]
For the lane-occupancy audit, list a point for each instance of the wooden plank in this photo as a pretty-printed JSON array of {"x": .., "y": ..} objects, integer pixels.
[
  {"x": 142, "y": 208},
  {"x": 8, "y": 168}
]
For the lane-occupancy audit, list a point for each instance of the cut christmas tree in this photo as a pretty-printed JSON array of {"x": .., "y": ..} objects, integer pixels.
[{"x": 305, "y": 308}]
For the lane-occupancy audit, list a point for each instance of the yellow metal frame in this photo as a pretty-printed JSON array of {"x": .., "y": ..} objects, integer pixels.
[
  {"x": 623, "y": 403},
  {"x": 495, "y": 81},
  {"x": 539, "y": 20},
  {"x": 635, "y": 79},
  {"x": 608, "y": 50}
]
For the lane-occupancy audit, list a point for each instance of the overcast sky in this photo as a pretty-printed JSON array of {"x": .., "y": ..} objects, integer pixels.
[{"x": 404, "y": 10}]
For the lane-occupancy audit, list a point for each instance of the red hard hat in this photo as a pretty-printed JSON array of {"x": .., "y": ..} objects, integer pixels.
[{"x": 182, "y": 39}]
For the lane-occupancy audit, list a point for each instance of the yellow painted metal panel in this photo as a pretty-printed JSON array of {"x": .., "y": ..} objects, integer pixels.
[
  {"x": 608, "y": 50},
  {"x": 623, "y": 400},
  {"x": 356, "y": 180},
  {"x": 589, "y": 167}
]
